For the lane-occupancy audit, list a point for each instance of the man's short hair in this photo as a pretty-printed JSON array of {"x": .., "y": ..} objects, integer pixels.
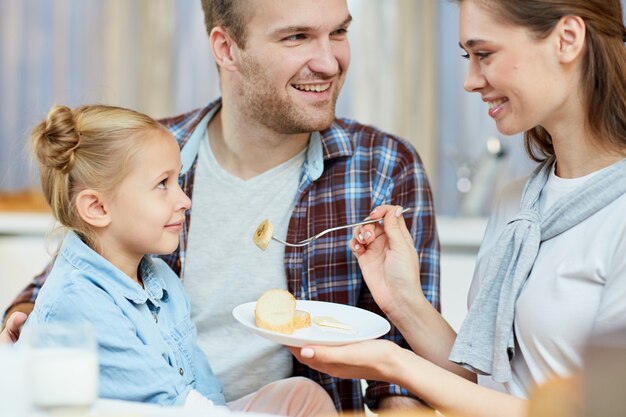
[{"x": 232, "y": 15}]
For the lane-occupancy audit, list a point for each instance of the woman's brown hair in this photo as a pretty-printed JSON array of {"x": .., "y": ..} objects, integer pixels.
[{"x": 603, "y": 77}]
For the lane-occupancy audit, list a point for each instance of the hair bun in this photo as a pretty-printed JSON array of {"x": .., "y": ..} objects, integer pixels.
[{"x": 56, "y": 138}]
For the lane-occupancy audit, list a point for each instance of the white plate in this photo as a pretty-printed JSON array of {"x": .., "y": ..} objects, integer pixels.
[{"x": 365, "y": 324}]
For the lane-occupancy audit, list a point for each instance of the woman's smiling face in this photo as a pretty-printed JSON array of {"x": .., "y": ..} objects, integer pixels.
[{"x": 516, "y": 73}]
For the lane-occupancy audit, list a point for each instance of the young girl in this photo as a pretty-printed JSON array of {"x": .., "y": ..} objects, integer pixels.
[
  {"x": 551, "y": 270},
  {"x": 110, "y": 176}
]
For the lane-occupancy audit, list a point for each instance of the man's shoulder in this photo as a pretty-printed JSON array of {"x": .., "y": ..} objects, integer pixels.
[
  {"x": 183, "y": 124},
  {"x": 179, "y": 118},
  {"x": 369, "y": 140},
  {"x": 362, "y": 134}
]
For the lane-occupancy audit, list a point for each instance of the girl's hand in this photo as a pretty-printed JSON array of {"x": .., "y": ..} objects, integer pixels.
[
  {"x": 388, "y": 259},
  {"x": 370, "y": 359}
]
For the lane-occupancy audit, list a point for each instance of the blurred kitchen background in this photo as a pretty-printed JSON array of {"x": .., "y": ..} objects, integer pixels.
[{"x": 406, "y": 77}]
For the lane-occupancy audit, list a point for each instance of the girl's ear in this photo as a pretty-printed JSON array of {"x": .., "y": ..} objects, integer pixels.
[
  {"x": 92, "y": 209},
  {"x": 224, "y": 49},
  {"x": 571, "y": 32}
]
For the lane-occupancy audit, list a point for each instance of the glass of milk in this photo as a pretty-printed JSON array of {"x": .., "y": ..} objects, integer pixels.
[
  {"x": 64, "y": 367},
  {"x": 14, "y": 385}
]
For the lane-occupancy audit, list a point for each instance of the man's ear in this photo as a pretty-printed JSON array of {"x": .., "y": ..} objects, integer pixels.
[
  {"x": 571, "y": 33},
  {"x": 224, "y": 49},
  {"x": 92, "y": 209}
]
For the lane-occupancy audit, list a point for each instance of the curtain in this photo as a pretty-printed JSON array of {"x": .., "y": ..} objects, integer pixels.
[
  {"x": 150, "y": 55},
  {"x": 392, "y": 78}
]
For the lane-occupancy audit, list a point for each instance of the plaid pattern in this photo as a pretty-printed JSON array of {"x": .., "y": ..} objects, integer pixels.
[{"x": 363, "y": 168}]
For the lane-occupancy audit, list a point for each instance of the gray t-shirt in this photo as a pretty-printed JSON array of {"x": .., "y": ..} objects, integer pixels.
[{"x": 224, "y": 268}]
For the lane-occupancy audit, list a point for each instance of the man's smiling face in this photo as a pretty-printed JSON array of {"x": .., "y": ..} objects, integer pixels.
[{"x": 294, "y": 63}]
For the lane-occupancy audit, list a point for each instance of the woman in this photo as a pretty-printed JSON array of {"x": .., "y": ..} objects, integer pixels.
[{"x": 551, "y": 269}]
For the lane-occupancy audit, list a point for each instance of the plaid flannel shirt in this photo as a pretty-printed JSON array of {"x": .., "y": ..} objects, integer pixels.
[{"x": 363, "y": 168}]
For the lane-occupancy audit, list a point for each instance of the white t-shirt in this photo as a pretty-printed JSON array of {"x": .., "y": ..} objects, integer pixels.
[
  {"x": 224, "y": 268},
  {"x": 577, "y": 285}
]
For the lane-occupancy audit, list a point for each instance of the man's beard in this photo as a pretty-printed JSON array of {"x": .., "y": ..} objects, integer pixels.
[{"x": 279, "y": 112}]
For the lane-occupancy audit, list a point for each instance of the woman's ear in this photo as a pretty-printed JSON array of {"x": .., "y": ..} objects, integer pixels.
[
  {"x": 571, "y": 32},
  {"x": 224, "y": 49},
  {"x": 92, "y": 209}
]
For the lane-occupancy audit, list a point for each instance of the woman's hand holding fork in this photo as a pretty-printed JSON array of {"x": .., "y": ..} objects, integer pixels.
[
  {"x": 389, "y": 262},
  {"x": 390, "y": 267}
]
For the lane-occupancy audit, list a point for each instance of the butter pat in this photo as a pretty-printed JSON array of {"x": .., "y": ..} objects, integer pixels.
[{"x": 327, "y": 321}]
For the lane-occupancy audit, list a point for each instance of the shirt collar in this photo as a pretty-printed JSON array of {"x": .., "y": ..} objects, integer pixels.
[
  {"x": 109, "y": 277},
  {"x": 328, "y": 144},
  {"x": 154, "y": 286},
  {"x": 189, "y": 152}
]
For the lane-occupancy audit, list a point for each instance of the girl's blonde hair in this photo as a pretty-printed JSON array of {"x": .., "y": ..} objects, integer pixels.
[{"x": 86, "y": 148}]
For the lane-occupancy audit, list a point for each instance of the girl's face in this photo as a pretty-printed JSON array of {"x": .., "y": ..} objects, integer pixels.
[
  {"x": 516, "y": 74},
  {"x": 147, "y": 209}
]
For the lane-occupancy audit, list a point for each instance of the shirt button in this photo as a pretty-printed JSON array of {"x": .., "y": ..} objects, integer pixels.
[{"x": 181, "y": 371}]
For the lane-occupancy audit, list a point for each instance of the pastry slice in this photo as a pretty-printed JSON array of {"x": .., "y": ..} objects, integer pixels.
[
  {"x": 276, "y": 310},
  {"x": 302, "y": 319}
]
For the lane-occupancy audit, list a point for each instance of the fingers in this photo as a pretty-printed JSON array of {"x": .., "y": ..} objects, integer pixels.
[
  {"x": 396, "y": 230},
  {"x": 14, "y": 325},
  {"x": 307, "y": 353},
  {"x": 17, "y": 319},
  {"x": 295, "y": 351},
  {"x": 381, "y": 211},
  {"x": 302, "y": 353},
  {"x": 325, "y": 359},
  {"x": 357, "y": 247},
  {"x": 359, "y": 360},
  {"x": 366, "y": 234},
  {"x": 394, "y": 227},
  {"x": 405, "y": 230}
]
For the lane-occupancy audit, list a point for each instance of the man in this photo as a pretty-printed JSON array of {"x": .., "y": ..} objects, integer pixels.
[{"x": 272, "y": 148}]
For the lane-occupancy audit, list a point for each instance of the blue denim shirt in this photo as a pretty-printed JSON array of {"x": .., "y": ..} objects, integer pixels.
[{"x": 147, "y": 346}]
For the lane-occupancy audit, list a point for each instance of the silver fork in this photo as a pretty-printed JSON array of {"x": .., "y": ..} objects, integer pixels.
[{"x": 332, "y": 229}]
